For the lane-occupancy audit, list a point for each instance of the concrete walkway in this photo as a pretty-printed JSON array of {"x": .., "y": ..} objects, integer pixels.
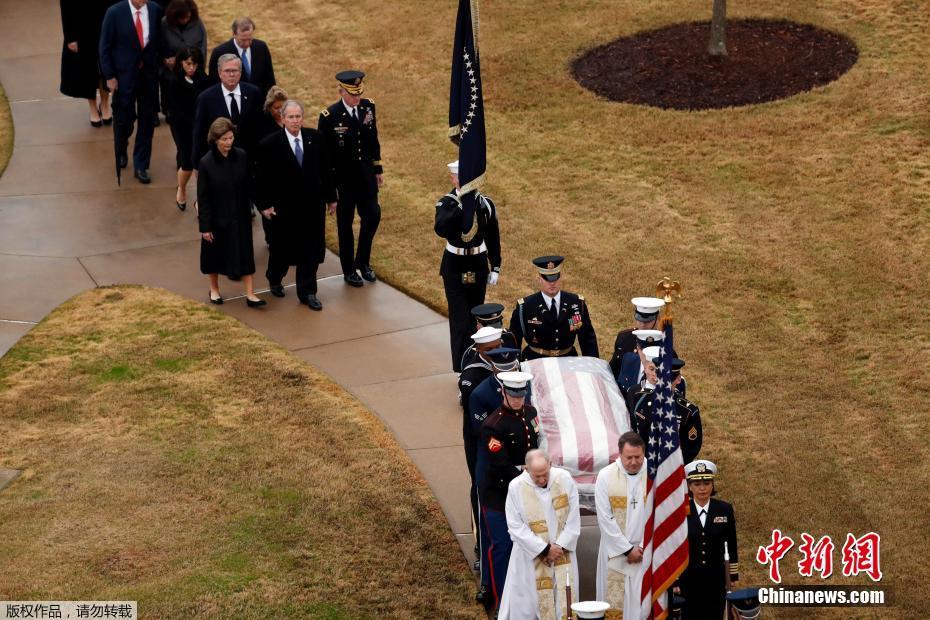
[{"x": 66, "y": 227}]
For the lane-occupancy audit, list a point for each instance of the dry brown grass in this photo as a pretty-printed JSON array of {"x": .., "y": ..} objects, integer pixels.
[
  {"x": 175, "y": 457},
  {"x": 6, "y": 131},
  {"x": 799, "y": 229}
]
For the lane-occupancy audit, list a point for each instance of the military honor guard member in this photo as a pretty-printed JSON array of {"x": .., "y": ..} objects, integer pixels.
[
  {"x": 471, "y": 261},
  {"x": 489, "y": 315},
  {"x": 645, "y": 316},
  {"x": 551, "y": 320},
  {"x": 633, "y": 367},
  {"x": 350, "y": 127},
  {"x": 641, "y": 403},
  {"x": 544, "y": 524},
  {"x": 620, "y": 499},
  {"x": 711, "y": 525},
  {"x": 506, "y": 436}
]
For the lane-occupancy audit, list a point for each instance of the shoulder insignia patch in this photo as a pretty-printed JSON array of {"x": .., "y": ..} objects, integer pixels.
[
  {"x": 520, "y": 301},
  {"x": 325, "y": 112},
  {"x": 495, "y": 446},
  {"x": 581, "y": 297},
  {"x": 371, "y": 101},
  {"x": 692, "y": 434}
]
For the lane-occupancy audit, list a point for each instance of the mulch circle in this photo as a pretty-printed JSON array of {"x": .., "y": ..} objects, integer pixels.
[{"x": 670, "y": 67}]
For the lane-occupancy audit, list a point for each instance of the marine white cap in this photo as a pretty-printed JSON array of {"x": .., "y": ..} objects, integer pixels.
[
  {"x": 487, "y": 334},
  {"x": 514, "y": 380},
  {"x": 649, "y": 335},
  {"x": 647, "y": 308},
  {"x": 700, "y": 470},
  {"x": 652, "y": 352}
]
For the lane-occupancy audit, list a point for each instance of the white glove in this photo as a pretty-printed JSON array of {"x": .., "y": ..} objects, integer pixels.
[{"x": 492, "y": 277}]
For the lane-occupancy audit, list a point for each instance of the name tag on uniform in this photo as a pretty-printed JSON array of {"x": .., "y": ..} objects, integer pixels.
[{"x": 720, "y": 519}]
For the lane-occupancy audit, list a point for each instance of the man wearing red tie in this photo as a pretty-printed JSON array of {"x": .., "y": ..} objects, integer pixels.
[{"x": 129, "y": 43}]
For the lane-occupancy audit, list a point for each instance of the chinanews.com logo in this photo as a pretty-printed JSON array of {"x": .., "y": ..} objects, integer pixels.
[{"x": 860, "y": 556}]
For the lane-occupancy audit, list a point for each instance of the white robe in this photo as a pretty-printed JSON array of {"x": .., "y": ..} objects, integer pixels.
[
  {"x": 614, "y": 542},
  {"x": 518, "y": 601}
]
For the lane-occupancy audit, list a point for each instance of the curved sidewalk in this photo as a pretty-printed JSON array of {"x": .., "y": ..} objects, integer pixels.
[{"x": 66, "y": 227}]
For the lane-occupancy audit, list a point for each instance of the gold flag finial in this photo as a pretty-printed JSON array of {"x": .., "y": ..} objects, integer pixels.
[{"x": 669, "y": 291}]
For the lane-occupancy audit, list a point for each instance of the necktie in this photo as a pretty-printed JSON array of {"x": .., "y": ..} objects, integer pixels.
[
  {"x": 139, "y": 31},
  {"x": 555, "y": 311},
  {"x": 298, "y": 152},
  {"x": 233, "y": 109},
  {"x": 355, "y": 115},
  {"x": 246, "y": 66}
]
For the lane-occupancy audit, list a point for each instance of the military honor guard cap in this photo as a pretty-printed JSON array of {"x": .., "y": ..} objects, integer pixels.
[
  {"x": 514, "y": 382},
  {"x": 700, "y": 470},
  {"x": 453, "y": 166},
  {"x": 590, "y": 610},
  {"x": 648, "y": 336},
  {"x": 677, "y": 364},
  {"x": 351, "y": 81},
  {"x": 489, "y": 314},
  {"x": 549, "y": 267},
  {"x": 504, "y": 358},
  {"x": 652, "y": 353},
  {"x": 647, "y": 308},
  {"x": 745, "y": 603},
  {"x": 487, "y": 334}
]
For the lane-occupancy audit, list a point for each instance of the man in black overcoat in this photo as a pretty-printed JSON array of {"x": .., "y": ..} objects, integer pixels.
[
  {"x": 238, "y": 101},
  {"x": 257, "y": 68},
  {"x": 294, "y": 180},
  {"x": 129, "y": 45}
]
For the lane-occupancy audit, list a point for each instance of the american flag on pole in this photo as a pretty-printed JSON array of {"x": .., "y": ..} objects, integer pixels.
[
  {"x": 665, "y": 540},
  {"x": 466, "y": 108}
]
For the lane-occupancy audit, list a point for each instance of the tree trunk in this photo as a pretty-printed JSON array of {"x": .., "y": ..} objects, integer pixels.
[{"x": 718, "y": 30}]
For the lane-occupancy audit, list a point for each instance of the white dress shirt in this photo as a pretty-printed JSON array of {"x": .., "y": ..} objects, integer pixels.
[
  {"x": 548, "y": 301},
  {"x": 350, "y": 109},
  {"x": 238, "y": 97},
  {"x": 145, "y": 20},
  {"x": 702, "y": 517}
]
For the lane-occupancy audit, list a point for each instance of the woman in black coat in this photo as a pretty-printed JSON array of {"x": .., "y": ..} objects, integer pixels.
[
  {"x": 188, "y": 80},
  {"x": 81, "y": 22},
  {"x": 224, "y": 191},
  {"x": 180, "y": 27}
]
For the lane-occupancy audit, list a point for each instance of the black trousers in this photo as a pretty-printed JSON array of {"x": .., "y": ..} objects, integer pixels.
[
  {"x": 143, "y": 99},
  {"x": 306, "y": 274},
  {"x": 461, "y": 298},
  {"x": 369, "y": 213},
  {"x": 471, "y": 460}
]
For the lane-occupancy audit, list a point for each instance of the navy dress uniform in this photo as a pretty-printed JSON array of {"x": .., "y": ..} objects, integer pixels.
[
  {"x": 471, "y": 260},
  {"x": 351, "y": 133},
  {"x": 551, "y": 323},
  {"x": 703, "y": 583},
  {"x": 506, "y": 436},
  {"x": 646, "y": 316},
  {"x": 631, "y": 368},
  {"x": 488, "y": 315},
  {"x": 640, "y": 403}
]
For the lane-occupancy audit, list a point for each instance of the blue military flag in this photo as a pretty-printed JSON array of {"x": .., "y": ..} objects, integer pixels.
[{"x": 466, "y": 108}]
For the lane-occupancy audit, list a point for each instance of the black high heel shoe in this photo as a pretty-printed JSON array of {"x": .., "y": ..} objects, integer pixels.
[
  {"x": 255, "y": 304},
  {"x": 181, "y": 205},
  {"x": 97, "y": 123},
  {"x": 217, "y": 301}
]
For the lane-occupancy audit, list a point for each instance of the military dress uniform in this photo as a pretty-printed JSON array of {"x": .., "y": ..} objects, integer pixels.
[
  {"x": 547, "y": 335},
  {"x": 506, "y": 437},
  {"x": 355, "y": 155},
  {"x": 487, "y": 315},
  {"x": 640, "y": 403},
  {"x": 645, "y": 311},
  {"x": 624, "y": 343},
  {"x": 703, "y": 583},
  {"x": 468, "y": 258}
]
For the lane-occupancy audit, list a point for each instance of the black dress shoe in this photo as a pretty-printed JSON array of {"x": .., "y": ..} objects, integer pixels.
[
  {"x": 368, "y": 274},
  {"x": 255, "y": 304},
  {"x": 218, "y": 301},
  {"x": 123, "y": 160},
  {"x": 277, "y": 290},
  {"x": 143, "y": 176},
  {"x": 353, "y": 280},
  {"x": 313, "y": 302}
]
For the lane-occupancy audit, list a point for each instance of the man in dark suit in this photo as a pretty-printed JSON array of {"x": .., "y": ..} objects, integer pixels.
[
  {"x": 350, "y": 128},
  {"x": 294, "y": 179},
  {"x": 236, "y": 100},
  {"x": 257, "y": 68},
  {"x": 129, "y": 44},
  {"x": 550, "y": 320}
]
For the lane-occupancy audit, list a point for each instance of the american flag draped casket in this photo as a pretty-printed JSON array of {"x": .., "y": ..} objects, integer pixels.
[{"x": 581, "y": 416}]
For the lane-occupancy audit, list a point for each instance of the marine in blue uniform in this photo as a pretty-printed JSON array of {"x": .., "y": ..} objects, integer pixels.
[
  {"x": 711, "y": 524},
  {"x": 551, "y": 320},
  {"x": 350, "y": 127},
  {"x": 471, "y": 261},
  {"x": 506, "y": 436},
  {"x": 488, "y": 315}
]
